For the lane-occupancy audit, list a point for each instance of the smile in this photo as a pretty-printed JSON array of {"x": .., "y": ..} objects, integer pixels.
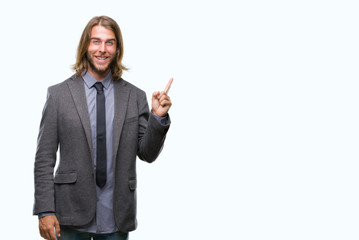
[{"x": 101, "y": 58}]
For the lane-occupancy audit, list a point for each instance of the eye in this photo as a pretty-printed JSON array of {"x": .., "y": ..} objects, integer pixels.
[
  {"x": 110, "y": 43},
  {"x": 95, "y": 41}
]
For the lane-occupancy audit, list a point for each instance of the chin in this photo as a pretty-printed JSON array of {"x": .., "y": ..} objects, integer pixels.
[{"x": 101, "y": 70}]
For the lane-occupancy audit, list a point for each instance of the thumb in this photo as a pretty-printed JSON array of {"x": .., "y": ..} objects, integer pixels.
[{"x": 57, "y": 228}]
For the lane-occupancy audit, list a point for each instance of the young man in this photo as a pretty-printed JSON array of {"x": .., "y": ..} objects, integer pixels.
[{"x": 101, "y": 123}]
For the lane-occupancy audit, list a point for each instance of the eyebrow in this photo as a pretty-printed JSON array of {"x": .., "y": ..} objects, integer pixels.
[{"x": 107, "y": 40}]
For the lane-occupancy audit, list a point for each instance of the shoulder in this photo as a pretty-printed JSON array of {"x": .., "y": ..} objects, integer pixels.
[
  {"x": 133, "y": 88},
  {"x": 59, "y": 88}
]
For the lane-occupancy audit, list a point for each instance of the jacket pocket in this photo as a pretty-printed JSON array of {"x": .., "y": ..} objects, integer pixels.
[
  {"x": 70, "y": 177},
  {"x": 131, "y": 119},
  {"x": 132, "y": 184}
]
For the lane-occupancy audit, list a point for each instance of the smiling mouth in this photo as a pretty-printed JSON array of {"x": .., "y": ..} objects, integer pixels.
[{"x": 101, "y": 58}]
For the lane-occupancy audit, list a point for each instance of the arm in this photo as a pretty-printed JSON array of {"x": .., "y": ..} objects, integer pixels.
[
  {"x": 152, "y": 131},
  {"x": 45, "y": 159}
]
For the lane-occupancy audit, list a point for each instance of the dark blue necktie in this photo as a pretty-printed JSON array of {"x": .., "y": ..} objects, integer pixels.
[{"x": 101, "y": 155}]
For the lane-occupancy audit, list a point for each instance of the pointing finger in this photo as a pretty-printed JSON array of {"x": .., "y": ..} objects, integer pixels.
[{"x": 168, "y": 85}]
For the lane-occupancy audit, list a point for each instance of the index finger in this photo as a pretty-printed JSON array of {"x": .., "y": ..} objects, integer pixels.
[{"x": 168, "y": 85}]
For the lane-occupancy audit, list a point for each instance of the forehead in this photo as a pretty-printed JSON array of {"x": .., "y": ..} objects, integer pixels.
[{"x": 102, "y": 33}]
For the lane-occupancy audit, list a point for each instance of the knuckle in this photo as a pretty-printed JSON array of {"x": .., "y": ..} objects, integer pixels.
[{"x": 49, "y": 228}]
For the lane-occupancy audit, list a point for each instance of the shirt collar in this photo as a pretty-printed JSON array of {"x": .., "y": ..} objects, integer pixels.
[{"x": 90, "y": 80}]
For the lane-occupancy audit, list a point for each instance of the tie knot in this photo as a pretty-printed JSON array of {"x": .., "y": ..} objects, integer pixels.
[{"x": 99, "y": 87}]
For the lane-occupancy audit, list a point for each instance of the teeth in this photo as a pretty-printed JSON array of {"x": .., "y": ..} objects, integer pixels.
[{"x": 101, "y": 58}]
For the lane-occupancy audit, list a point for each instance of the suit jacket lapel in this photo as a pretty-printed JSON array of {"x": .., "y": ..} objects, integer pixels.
[
  {"x": 121, "y": 95},
  {"x": 77, "y": 90}
]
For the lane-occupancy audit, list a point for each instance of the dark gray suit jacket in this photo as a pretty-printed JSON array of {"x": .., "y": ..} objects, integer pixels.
[{"x": 71, "y": 192}]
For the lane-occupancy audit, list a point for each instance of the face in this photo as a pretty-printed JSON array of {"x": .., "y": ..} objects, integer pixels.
[{"x": 101, "y": 51}]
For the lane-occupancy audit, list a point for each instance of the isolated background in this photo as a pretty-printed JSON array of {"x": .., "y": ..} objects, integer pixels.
[{"x": 264, "y": 136}]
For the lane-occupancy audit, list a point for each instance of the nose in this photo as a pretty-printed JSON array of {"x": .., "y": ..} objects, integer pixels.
[{"x": 102, "y": 47}]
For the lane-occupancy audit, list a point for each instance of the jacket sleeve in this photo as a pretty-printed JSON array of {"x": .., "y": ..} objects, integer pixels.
[
  {"x": 151, "y": 133},
  {"x": 45, "y": 159}
]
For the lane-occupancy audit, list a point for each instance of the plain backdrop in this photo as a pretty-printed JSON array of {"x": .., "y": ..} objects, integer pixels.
[{"x": 264, "y": 136}]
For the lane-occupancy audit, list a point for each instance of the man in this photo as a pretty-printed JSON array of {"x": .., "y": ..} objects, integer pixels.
[{"x": 100, "y": 122}]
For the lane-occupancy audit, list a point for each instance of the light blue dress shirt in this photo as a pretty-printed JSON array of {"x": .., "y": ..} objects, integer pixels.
[{"x": 104, "y": 222}]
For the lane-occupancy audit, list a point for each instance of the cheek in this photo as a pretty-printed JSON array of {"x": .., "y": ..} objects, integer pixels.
[
  {"x": 112, "y": 51},
  {"x": 91, "y": 49}
]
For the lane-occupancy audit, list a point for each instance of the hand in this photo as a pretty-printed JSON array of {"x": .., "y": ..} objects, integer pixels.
[
  {"x": 46, "y": 227},
  {"x": 161, "y": 102}
]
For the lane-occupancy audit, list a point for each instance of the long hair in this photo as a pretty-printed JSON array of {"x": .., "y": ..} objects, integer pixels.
[{"x": 81, "y": 58}]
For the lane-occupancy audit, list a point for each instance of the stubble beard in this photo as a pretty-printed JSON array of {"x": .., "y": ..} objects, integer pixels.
[{"x": 96, "y": 69}]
